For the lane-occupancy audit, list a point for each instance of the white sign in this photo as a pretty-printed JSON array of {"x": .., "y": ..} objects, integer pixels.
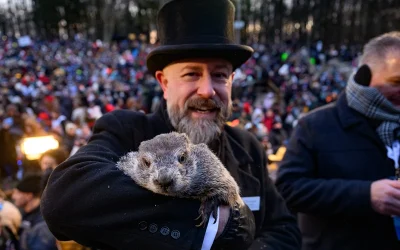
[
  {"x": 252, "y": 202},
  {"x": 238, "y": 24}
]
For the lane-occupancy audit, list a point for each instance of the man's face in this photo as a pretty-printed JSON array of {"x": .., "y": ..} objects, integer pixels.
[
  {"x": 387, "y": 78},
  {"x": 198, "y": 94},
  {"x": 21, "y": 199},
  {"x": 47, "y": 162}
]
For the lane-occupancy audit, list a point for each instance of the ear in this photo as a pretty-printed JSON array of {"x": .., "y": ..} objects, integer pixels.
[
  {"x": 187, "y": 138},
  {"x": 202, "y": 145},
  {"x": 162, "y": 80},
  {"x": 232, "y": 76},
  {"x": 181, "y": 136},
  {"x": 363, "y": 75}
]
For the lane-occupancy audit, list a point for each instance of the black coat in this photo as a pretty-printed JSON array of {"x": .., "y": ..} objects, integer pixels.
[
  {"x": 332, "y": 158},
  {"x": 92, "y": 202}
]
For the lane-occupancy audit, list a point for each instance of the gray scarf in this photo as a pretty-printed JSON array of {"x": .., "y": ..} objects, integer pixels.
[{"x": 371, "y": 103}]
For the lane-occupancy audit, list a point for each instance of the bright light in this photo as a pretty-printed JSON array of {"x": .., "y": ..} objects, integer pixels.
[
  {"x": 153, "y": 36},
  {"x": 34, "y": 147},
  {"x": 310, "y": 24}
]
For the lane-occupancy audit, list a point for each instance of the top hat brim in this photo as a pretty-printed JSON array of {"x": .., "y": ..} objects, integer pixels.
[{"x": 162, "y": 56}]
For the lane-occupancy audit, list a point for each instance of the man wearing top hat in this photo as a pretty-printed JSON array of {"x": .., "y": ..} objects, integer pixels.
[{"x": 92, "y": 202}]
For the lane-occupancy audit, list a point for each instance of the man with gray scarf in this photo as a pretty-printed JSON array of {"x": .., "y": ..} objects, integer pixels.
[{"x": 341, "y": 165}]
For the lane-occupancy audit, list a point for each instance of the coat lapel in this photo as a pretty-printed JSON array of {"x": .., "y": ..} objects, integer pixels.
[
  {"x": 239, "y": 164},
  {"x": 358, "y": 123}
]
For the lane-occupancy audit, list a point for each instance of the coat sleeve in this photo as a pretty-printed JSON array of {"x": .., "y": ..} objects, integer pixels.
[
  {"x": 90, "y": 201},
  {"x": 305, "y": 192}
]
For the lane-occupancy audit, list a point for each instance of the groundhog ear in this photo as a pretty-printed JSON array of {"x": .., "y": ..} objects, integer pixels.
[
  {"x": 145, "y": 162},
  {"x": 202, "y": 145},
  {"x": 186, "y": 138}
]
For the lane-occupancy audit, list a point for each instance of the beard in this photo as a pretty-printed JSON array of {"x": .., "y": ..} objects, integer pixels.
[{"x": 199, "y": 130}]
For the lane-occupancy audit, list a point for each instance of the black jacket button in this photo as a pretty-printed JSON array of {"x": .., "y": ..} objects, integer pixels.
[
  {"x": 153, "y": 228},
  {"x": 175, "y": 234},
  {"x": 164, "y": 231},
  {"x": 142, "y": 225}
]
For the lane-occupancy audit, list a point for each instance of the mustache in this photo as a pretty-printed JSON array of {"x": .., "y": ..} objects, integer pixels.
[{"x": 198, "y": 102}]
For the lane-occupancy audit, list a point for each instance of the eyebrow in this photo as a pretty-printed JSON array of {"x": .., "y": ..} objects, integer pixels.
[
  {"x": 222, "y": 66},
  {"x": 191, "y": 67}
]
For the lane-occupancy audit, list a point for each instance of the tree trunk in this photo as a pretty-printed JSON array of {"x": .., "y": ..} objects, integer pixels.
[{"x": 108, "y": 16}]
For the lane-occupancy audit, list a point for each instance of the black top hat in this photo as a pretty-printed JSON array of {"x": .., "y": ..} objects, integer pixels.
[{"x": 196, "y": 29}]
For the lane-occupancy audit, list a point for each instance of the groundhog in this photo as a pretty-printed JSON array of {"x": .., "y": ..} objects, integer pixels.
[{"x": 169, "y": 164}]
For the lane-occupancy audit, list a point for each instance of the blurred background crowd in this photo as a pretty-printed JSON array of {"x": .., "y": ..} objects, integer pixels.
[
  {"x": 53, "y": 91},
  {"x": 59, "y": 88}
]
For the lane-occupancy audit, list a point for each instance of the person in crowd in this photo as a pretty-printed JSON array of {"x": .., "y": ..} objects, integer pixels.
[
  {"x": 10, "y": 222},
  {"x": 34, "y": 232},
  {"x": 339, "y": 171},
  {"x": 111, "y": 212},
  {"x": 48, "y": 161},
  {"x": 277, "y": 136}
]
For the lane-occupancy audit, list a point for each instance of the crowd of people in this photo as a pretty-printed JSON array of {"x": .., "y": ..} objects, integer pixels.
[{"x": 61, "y": 88}]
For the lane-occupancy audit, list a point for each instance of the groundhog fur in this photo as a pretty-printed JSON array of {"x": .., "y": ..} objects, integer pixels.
[{"x": 169, "y": 164}]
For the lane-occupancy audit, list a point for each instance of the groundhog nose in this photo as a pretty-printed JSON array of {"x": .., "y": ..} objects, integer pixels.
[{"x": 164, "y": 182}]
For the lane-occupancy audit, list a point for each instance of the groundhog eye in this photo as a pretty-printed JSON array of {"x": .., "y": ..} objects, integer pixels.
[{"x": 182, "y": 158}]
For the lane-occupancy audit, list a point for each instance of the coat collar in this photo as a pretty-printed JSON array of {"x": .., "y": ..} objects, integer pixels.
[
  {"x": 355, "y": 121},
  {"x": 238, "y": 152},
  {"x": 348, "y": 117},
  {"x": 162, "y": 115}
]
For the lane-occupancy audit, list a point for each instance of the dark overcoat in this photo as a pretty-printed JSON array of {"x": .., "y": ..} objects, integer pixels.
[
  {"x": 332, "y": 159},
  {"x": 89, "y": 200}
]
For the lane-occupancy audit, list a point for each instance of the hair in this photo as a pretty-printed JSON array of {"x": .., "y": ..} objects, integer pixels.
[
  {"x": 59, "y": 154},
  {"x": 379, "y": 47},
  {"x": 31, "y": 183}
]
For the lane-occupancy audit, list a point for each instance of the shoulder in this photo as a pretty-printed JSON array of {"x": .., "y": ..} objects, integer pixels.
[
  {"x": 121, "y": 121},
  {"x": 243, "y": 137},
  {"x": 327, "y": 111},
  {"x": 125, "y": 116},
  {"x": 322, "y": 118},
  {"x": 246, "y": 141}
]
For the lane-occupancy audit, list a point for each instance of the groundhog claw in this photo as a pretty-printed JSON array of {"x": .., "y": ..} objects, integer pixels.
[{"x": 206, "y": 208}]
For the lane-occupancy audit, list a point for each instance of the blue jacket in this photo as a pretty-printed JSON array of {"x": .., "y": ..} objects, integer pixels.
[{"x": 35, "y": 233}]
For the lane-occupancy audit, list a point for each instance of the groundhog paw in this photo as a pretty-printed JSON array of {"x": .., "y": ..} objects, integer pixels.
[{"x": 206, "y": 208}]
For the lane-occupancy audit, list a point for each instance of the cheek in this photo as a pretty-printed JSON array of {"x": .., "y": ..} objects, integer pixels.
[
  {"x": 390, "y": 91},
  {"x": 179, "y": 93},
  {"x": 223, "y": 92},
  {"x": 183, "y": 171}
]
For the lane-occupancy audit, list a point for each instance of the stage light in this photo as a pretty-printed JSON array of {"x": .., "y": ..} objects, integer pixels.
[{"x": 34, "y": 147}]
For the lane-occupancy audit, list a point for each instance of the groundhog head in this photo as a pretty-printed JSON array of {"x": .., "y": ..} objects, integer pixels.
[{"x": 166, "y": 164}]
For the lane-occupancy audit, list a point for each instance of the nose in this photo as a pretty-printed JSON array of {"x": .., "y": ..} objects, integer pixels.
[
  {"x": 164, "y": 182},
  {"x": 206, "y": 89}
]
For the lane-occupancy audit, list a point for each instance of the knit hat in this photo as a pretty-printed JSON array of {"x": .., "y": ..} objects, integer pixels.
[{"x": 30, "y": 184}]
